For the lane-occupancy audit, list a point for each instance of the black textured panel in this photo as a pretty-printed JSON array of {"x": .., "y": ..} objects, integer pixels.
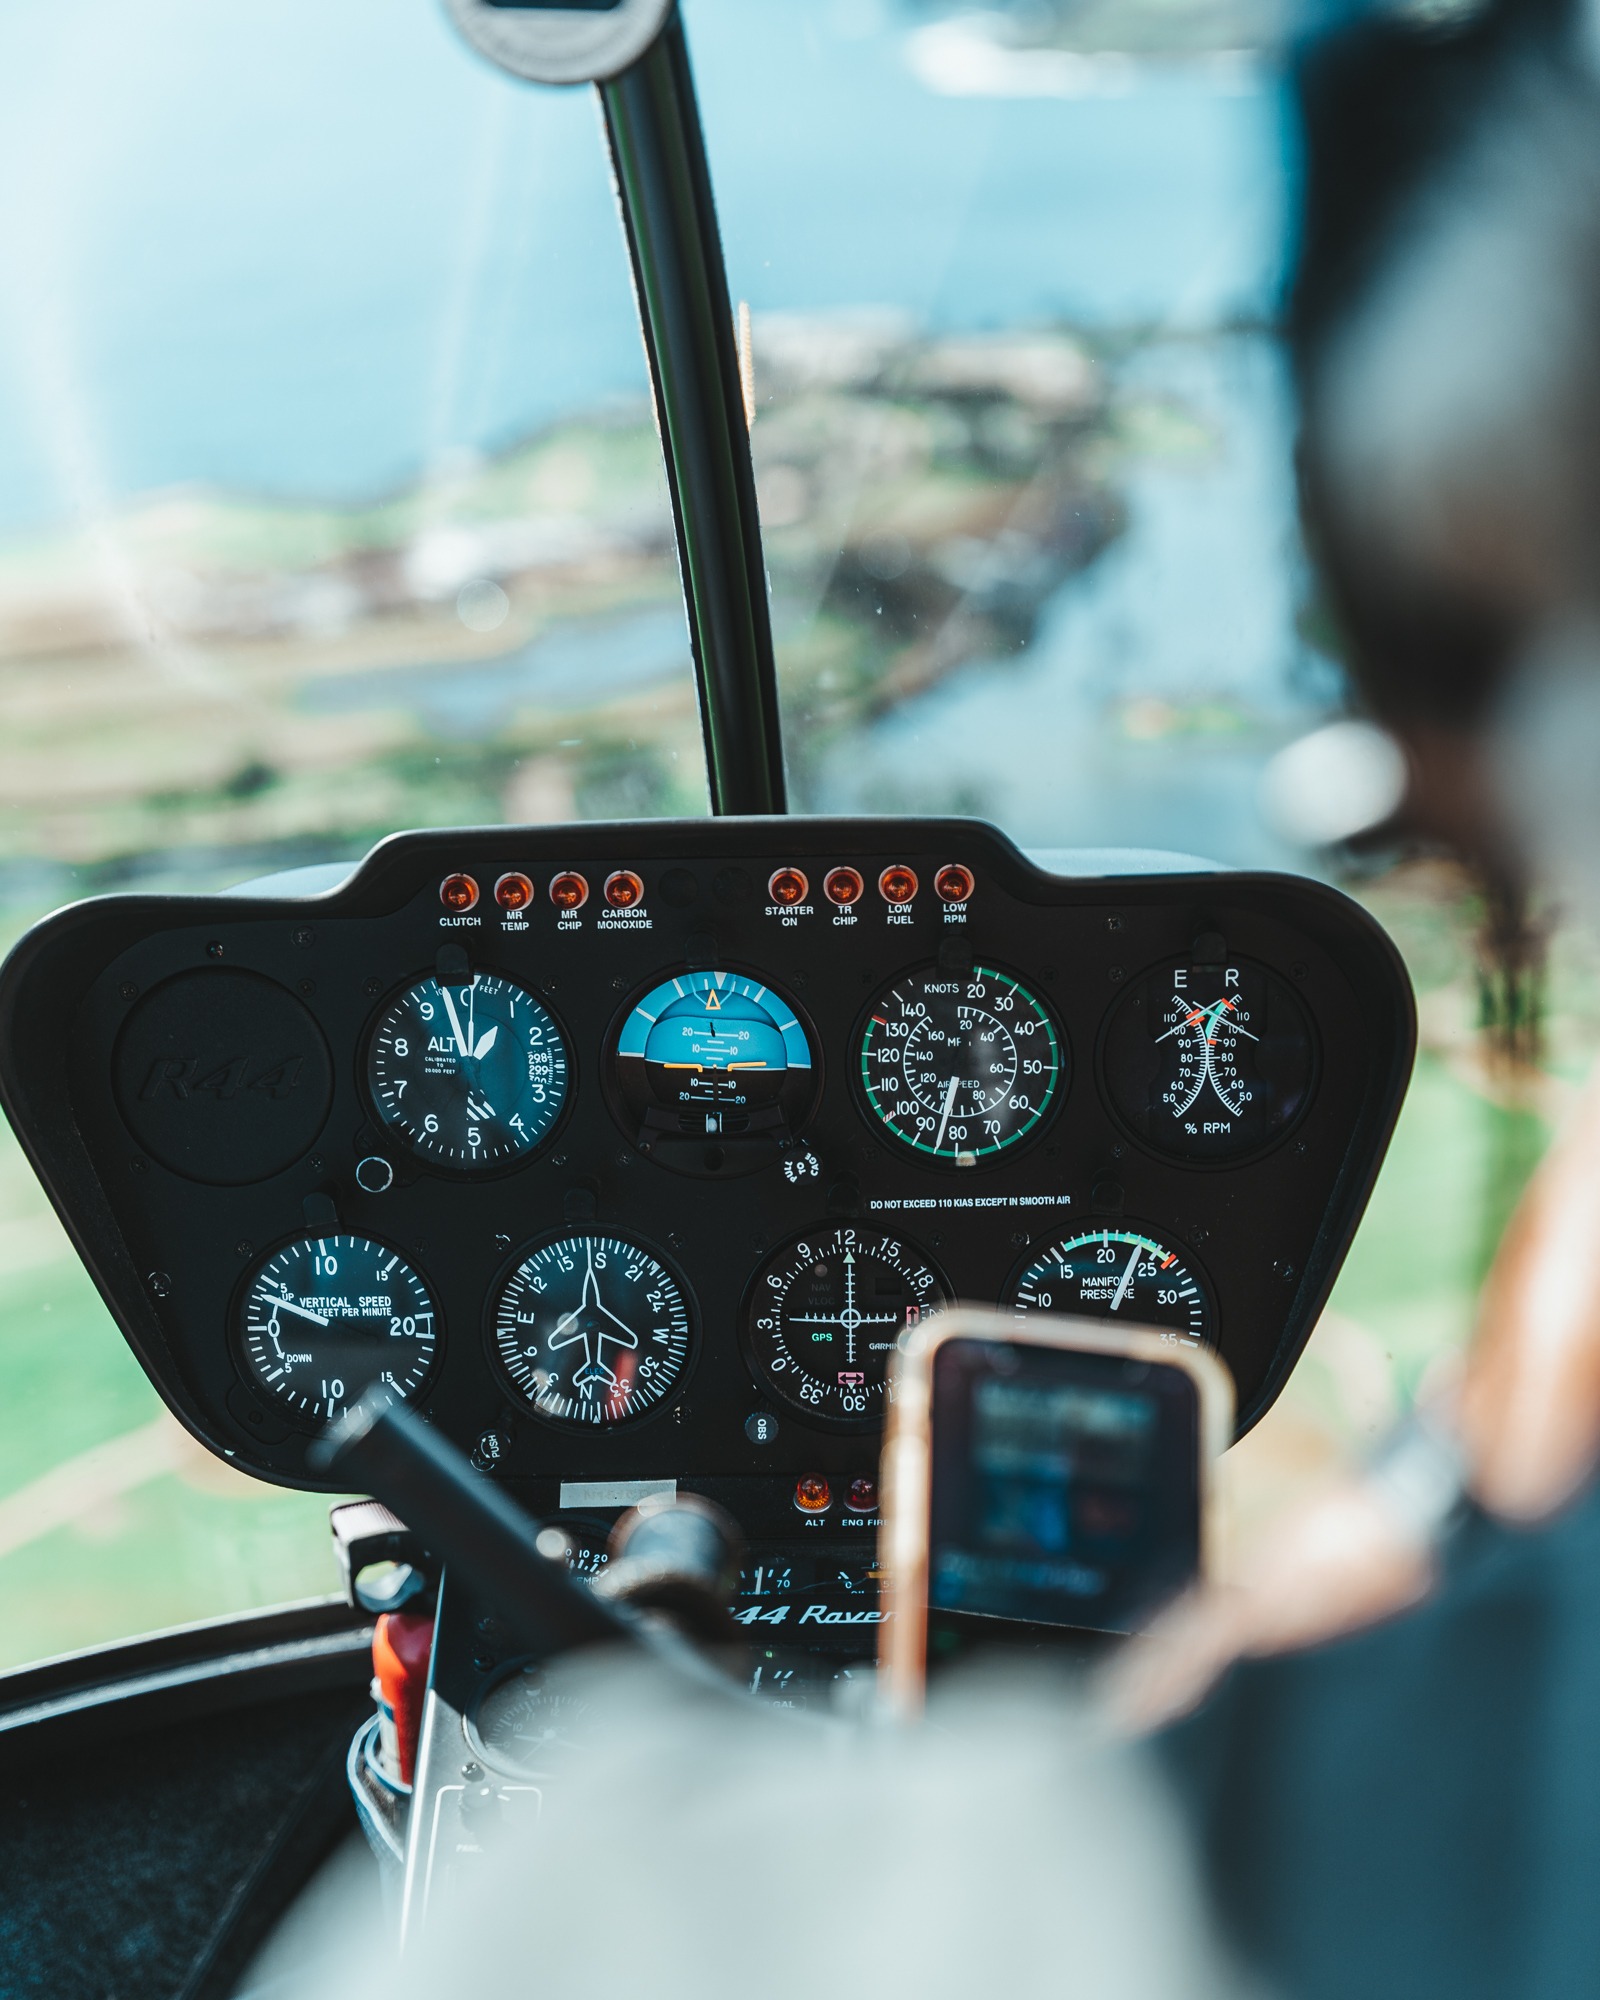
[{"x": 223, "y": 1076}]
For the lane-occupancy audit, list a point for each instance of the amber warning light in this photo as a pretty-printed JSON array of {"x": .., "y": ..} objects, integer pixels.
[
  {"x": 513, "y": 892},
  {"x": 843, "y": 886},
  {"x": 787, "y": 886},
  {"x": 458, "y": 892},
  {"x": 812, "y": 1495},
  {"x": 569, "y": 891},
  {"x": 623, "y": 890},
  {"x": 954, "y": 883},
  {"x": 897, "y": 884}
]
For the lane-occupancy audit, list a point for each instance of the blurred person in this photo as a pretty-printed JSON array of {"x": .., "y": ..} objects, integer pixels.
[
  {"x": 1410, "y": 1804},
  {"x": 695, "y": 1849}
]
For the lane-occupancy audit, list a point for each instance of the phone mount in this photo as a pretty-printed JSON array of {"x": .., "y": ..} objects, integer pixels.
[{"x": 586, "y": 43}]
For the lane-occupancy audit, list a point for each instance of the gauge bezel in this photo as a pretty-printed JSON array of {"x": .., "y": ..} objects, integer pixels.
[
  {"x": 1114, "y": 1225},
  {"x": 280, "y": 1411},
  {"x": 471, "y": 1727},
  {"x": 569, "y": 1427},
  {"x": 1014, "y": 1149},
  {"x": 667, "y": 1153},
  {"x": 390, "y": 1135},
  {"x": 1169, "y": 1156},
  {"x": 801, "y": 1412}
]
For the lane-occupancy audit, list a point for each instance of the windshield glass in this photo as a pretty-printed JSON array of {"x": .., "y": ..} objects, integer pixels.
[{"x": 332, "y": 504}]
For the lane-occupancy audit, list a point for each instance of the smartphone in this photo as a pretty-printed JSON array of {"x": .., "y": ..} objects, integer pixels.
[{"x": 1053, "y": 1474}]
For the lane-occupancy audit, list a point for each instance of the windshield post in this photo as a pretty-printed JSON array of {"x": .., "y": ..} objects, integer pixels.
[{"x": 664, "y": 188}]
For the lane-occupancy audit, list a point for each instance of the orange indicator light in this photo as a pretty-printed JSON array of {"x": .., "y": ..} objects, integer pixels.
[
  {"x": 954, "y": 883},
  {"x": 897, "y": 884},
  {"x": 863, "y": 1496},
  {"x": 458, "y": 892},
  {"x": 788, "y": 886},
  {"x": 813, "y": 1495},
  {"x": 569, "y": 891},
  {"x": 843, "y": 886},
  {"x": 513, "y": 892},
  {"x": 623, "y": 890}
]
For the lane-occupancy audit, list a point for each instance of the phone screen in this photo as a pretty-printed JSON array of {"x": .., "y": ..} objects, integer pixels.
[{"x": 1066, "y": 1485}]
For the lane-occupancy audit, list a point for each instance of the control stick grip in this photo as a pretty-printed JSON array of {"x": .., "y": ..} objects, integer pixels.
[{"x": 468, "y": 1523}]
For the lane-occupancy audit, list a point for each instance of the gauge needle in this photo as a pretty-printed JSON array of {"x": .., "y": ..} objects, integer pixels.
[
  {"x": 450, "y": 1008},
  {"x": 1127, "y": 1277},
  {"x": 301, "y": 1312},
  {"x": 944, "y": 1115}
]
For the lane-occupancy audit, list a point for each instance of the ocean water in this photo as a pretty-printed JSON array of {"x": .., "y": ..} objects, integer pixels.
[{"x": 312, "y": 250}]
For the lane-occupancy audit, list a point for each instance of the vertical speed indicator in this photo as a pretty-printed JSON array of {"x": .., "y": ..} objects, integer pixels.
[{"x": 960, "y": 1067}]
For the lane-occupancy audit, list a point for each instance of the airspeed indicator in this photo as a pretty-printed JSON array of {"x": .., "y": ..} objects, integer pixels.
[{"x": 960, "y": 1067}]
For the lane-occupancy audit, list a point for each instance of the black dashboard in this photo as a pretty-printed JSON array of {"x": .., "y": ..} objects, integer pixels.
[{"x": 626, "y": 1151}]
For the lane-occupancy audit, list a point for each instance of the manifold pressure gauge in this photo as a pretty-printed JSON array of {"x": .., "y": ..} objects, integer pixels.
[
  {"x": 469, "y": 1073},
  {"x": 1116, "y": 1273},
  {"x": 327, "y": 1317},
  {"x": 823, "y": 1315},
  {"x": 591, "y": 1329},
  {"x": 960, "y": 1067}
]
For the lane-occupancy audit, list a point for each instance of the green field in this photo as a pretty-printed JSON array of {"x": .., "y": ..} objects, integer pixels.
[{"x": 113, "y": 1522}]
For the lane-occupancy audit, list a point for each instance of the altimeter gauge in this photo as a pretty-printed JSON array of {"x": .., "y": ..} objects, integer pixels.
[
  {"x": 960, "y": 1067},
  {"x": 467, "y": 1074},
  {"x": 327, "y": 1317},
  {"x": 1209, "y": 1062},
  {"x": 591, "y": 1329},
  {"x": 1116, "y": 1273},
  {"x": 823, "y": 1315}
]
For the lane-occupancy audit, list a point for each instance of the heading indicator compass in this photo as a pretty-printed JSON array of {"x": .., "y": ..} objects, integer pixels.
[{"x": 591, "y": 1329}]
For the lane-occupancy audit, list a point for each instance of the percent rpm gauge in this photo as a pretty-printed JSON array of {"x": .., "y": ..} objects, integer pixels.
[
  {"x": 1209, "y": 1062},
  {"x": 327, "y": 1317},
  {"x": 467, "y": 1074},
  {"x": 591, "y": 1330},
  {"x": 960, "y": 1067},
  {"x": 823, "y": 1316},
  {"x": 1122, "y": 1273}
]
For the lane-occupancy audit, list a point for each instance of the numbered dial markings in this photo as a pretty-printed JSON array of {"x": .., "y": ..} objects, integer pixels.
[
  {"x": 959, "y": 1068},
  {"x": 1209, "y": 1062},
  {"x": 526, "y": 1728},
  {"x": 470, "y": 1074},
  {"x": 1120, "y": 1272},
  {"x": 824, "y": 1314},
  {"x": 591, "y": 1330},
  {"x": 326, "y": 1317}
]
